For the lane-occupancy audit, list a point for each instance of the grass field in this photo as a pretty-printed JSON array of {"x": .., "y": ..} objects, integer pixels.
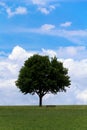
[{"x": 45, "y": 118}]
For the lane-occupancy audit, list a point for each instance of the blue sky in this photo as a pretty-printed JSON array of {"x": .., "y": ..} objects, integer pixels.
[
  {"x": 48, "y": 27},
  {"x": 21, "y": 24}
]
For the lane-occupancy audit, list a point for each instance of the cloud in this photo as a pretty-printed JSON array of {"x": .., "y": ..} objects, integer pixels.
[
  {"x": 39, "y": 2},
  {"x": 46, "y": 10},
  {"x": 66, "y": 24},
  {"x": 75, "y": 36},
  {"x": 69, "y": 52},
  {"x": 72, "y": 35},
  {"x": 43, "y": 3},
  {"x": 77, "y": 52},
  {"x": 9, "y": 69},
  {"x": 18, "y": 11},
  {"x": 78, "y": 37},
  {"x": 77, "y": 68},
  {"x": 77, "y": 93},
  {"x": 17, "y": 52},
  {"x": 47, "y": 27},
  {"x": 45, "y": 6},
  {"x": 49, "y": 52},
  {"x": 82, "y": 96},
  {"x": 78, "y": 74},
  {"x": 10, "y": 66}
]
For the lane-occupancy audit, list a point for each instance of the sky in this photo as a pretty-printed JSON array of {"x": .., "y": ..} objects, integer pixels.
[{"x": 50, "y": 27}]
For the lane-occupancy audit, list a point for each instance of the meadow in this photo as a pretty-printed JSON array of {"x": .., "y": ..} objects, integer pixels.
[{"x": 45, "y": 118}]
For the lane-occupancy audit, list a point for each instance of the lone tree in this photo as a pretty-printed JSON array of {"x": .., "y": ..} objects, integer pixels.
[{"x": 42, "y": 75}]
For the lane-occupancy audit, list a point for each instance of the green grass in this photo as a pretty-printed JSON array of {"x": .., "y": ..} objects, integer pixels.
[{"x": 45, "y": 118}]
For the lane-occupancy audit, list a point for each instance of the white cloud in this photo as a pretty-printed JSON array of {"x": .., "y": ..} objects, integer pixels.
[
  {"x": 47, "y": 27},
  {"x": 21, "y": 10},
  {"x": 43, "y": 2},
  {"x": 75, "y": 36},
  {"x": 82, "y": 96},
  {"x": 51, "y": 53},
  {"x": 10, "y": 66},
  {"x": 44, "y": 10},
  {"x": 78, "y": 69},
  {"x": 18, "y": 11},
  {"x": 9, "y": 69},
  {"x": 66, "y": 24},
  {"x": 45, "y": 6},
  {"x": 78, "y": 74},
  {"x": 70, "y": 52},
  {"x": 78, "y": 52},
  {"x": 39, "y": 2},
  {"x": 78, "y": 37},
  {"x": 19, "y": 53},
  {"x": 52, "y": 7}
]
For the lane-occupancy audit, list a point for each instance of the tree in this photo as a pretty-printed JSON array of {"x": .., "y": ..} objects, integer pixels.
[{"x": 42, "y": 75}]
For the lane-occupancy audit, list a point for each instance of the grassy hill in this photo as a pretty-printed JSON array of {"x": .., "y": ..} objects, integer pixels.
[{"x": 45, "y": 118}]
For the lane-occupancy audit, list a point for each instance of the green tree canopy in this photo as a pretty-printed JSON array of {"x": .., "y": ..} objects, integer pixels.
[{"x": 42, "y": 75}]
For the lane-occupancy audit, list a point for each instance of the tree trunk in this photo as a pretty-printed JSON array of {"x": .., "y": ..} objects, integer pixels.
[{"x": 40, "y": 101}]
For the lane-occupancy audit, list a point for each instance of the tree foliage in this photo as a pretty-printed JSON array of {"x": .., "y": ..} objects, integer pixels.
[{"x": 42, "y": 75}]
